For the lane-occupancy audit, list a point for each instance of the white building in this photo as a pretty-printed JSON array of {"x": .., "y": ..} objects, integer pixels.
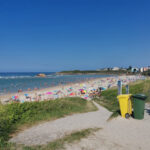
[
  {"x": 102, "y": 69},
  {"x": 141, "y": 69},
  {"x": 115, "y": 68}
]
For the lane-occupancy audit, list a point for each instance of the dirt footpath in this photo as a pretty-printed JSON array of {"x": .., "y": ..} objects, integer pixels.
[
  {"x": 119, "y": 134},
  {"x": 116, "y": 134},
  {"x": 52, "y": 130}
]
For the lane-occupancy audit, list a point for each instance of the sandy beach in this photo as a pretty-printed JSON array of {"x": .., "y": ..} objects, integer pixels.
[{"x": 69, "y": 90}]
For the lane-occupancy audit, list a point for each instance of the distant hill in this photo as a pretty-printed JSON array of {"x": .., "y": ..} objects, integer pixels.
[{"x": 72, "y": 72}]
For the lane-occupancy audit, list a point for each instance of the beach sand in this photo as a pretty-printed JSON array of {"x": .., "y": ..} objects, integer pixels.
[{"x": 69, "y": 90}]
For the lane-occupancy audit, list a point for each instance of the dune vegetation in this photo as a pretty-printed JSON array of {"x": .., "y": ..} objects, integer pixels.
[{"x": 16, "y": 116}]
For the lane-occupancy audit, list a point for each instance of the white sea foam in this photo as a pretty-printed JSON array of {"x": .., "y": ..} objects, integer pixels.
[
  {"x": 15, "y": 77},
  {"x": 21, "y": 77}
]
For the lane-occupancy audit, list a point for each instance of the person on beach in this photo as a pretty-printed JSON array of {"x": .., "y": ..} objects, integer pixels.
[
  {"x": 20, "y": 90},
  {"x": 28, "y": 97},
  {"x": 35, "y": 88},
  {"x": 29, "y": 89}
]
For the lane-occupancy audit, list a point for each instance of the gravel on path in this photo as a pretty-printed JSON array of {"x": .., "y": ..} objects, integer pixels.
[
  {"x": 52, "y": 130},
  {"x": 119, "y": 134}
]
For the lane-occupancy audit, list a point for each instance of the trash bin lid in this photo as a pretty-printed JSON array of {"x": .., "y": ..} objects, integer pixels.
[
  {"x": 124, "y": 96},
  {"x": 139, "y": 96}
]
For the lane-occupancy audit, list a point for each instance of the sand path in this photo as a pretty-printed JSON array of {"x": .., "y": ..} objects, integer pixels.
[
  {"x": 119, "y": 134},
  {"x": 49, "y": 131}
]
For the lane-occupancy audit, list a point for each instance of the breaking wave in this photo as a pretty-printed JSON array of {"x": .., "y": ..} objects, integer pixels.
[{"x": 15, "y": 77}]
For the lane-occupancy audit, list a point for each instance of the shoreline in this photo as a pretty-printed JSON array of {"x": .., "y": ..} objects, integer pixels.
[
  {"x": 99, "y": 73},
  {"x": 6, "y": 95},
  {"x": 46, "y": 84},
  {"x": 41, "y": 89},
  {"x": 61, "y": 91}
]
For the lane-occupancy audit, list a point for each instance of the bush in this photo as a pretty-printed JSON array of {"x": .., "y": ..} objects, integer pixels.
[
  {"x": 146, "y": 73},
  {"x": 16, "y": 114}
]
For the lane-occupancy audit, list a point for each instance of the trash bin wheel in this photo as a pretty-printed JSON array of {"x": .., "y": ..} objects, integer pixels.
[{"x": 127, "y": 116}]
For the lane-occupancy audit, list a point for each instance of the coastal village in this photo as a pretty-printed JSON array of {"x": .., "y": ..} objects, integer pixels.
[{"x": 130, "y": 68}]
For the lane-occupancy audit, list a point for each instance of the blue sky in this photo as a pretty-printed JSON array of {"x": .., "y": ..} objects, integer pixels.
[{"x": 55, "y": 35}]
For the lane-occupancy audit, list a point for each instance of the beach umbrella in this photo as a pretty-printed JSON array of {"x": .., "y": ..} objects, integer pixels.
[
  {"x": 103, "y": 88},
  {"x": 72, "y": 94},
  {"x": 26, "y": 95},
  {"x": 49, "y": 93},
  {"x": 80, "y": 89},
  {"x": 13, "y": 97},
  {"x": 16, "y": 97}
]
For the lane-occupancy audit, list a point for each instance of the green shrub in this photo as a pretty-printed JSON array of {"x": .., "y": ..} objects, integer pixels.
[{"x": 16, "y": 114}]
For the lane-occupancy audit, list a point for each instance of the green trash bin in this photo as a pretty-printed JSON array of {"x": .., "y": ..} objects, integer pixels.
[{"x": 139, "y": 105}]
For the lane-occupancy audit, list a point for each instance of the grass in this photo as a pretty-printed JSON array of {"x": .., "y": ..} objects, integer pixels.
[
  {"x": 19, "y": 115},
  {"x": 96, "y": 72},
  {"x": 76, "y": 136},
  {"x": 57, "y": 144},
  {"x": 109, "y": 100}
]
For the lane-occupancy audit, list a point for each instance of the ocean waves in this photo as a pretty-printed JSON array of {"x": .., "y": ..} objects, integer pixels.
[
  {"x": 24, "y": 75},
  {"x": 15, "y": 77}
]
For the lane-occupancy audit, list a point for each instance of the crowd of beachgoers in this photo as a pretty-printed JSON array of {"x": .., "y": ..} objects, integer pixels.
[{"x": 84, "y": 90}]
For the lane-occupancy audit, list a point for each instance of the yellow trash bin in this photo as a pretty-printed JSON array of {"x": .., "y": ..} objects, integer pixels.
[{"x": 125, "y": 105}]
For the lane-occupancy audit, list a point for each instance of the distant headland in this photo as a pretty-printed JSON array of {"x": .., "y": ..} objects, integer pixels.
[
  {"x": 111, "y": 71},
  {"x": 81, "y": 72}
]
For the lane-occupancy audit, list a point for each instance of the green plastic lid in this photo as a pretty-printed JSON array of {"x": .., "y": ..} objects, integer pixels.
[{"x": 140, "y": 96}]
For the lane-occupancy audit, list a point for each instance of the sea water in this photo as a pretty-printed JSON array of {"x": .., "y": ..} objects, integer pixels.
[{"x": 12, "y": 82}]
